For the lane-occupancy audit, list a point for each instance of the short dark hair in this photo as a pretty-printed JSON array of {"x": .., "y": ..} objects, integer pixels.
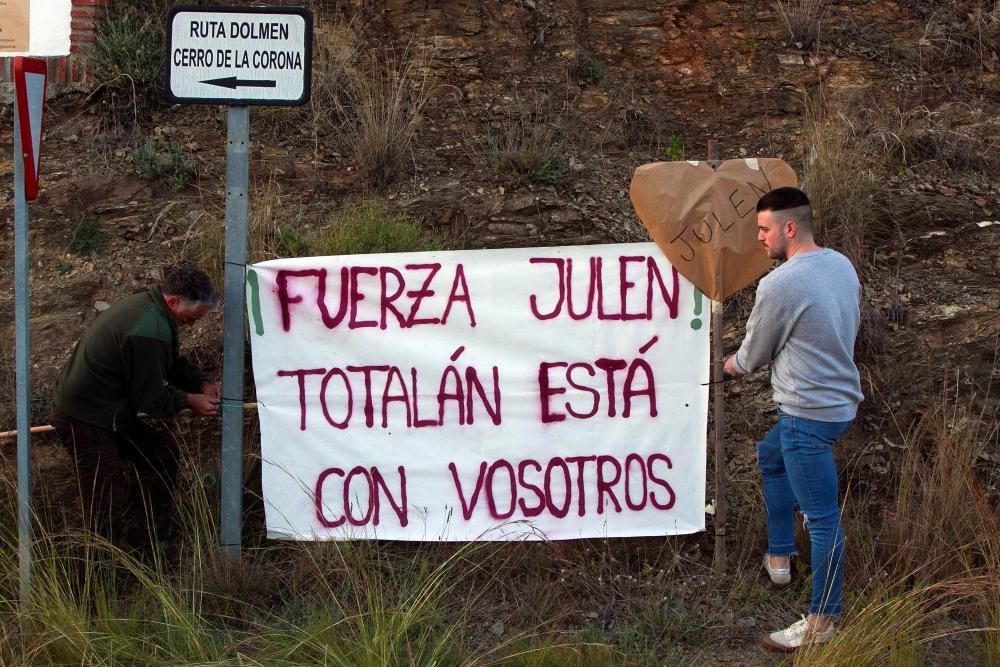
[
  {"x": 792, "y": 202},
  {"x": 191, "y": 285},
  {"x": 782, "y": 199}
]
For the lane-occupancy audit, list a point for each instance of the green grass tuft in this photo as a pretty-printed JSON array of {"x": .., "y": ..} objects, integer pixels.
[
  {"x": 165, "y": 161},
  {"x": 86, "y": 236},
  {"x": 369, "y": 229}
]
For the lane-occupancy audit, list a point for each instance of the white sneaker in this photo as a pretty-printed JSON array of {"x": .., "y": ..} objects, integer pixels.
[
  {"x": 780, "y": 576},
  {"x": 797, "y": 634}
]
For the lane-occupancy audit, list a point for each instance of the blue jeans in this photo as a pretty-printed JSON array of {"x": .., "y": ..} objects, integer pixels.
[{"x": 796, "y": 461}]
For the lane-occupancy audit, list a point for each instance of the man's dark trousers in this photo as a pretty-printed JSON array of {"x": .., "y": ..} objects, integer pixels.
[{"x": 99, "y": 453}]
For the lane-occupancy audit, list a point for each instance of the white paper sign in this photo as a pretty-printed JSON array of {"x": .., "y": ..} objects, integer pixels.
[
  {"x": 46, "y": 22},
  {"x": 551, "y": 393}
]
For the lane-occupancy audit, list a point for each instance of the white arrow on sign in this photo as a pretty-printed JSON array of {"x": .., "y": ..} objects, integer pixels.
[
  {"x": 238, "y": 56},
  {"x": 29, "y": 86}
]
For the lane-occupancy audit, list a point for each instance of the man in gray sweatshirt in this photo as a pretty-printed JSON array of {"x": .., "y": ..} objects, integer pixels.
[{"x": 804, "y": 322}]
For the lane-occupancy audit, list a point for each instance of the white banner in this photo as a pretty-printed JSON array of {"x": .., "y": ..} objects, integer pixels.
[{"x": 549, "y": 393}]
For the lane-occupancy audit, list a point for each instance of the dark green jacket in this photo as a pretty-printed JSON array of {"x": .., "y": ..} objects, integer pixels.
[{"x": 127, "y": 362}]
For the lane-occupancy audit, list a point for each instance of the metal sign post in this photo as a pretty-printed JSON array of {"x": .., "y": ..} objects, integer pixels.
[
  {"x": 22, "y": 367},
  {"x": 237, "y": 195},
  {"x": 237, "y": 56},
  {"x": 29, "y": 104}
]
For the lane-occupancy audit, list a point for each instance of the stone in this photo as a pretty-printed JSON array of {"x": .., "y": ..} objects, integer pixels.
[
  {"x": 566, "y": 215},
  {"x": 521, "y": 202},
  {"x": 508, "y": 228},
  {"x": 790, "y": 59},
  {"x": 631, "y": 19},
  {"x": 593, "y": 99},
  {"x": 949, "y": 311}
]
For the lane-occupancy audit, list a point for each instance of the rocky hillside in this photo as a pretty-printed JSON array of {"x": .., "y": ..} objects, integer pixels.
[
  {"x": 520, "y": 123},
  {"x": 528, "y": 119}
]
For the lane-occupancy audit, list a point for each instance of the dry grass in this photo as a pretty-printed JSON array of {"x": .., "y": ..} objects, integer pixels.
[
  {"x": 356, "y": 604},
  {"x": 958, "y": 137},
  {"x": 524, "y": 141},
  {"x": 336, "y": 51},
  {"x": 802, "y": 20},
  {"x": 382, "y": 108},
  {"x": 892, "y": 623},
  {"x": 367, "y": 101},
  {"x": 269, "y": 236},
  {"x": 931, "y": 568},
  {"x": 941, "y": 507},
  {"x": 959, "y": 33},
  {"x": 366, "y": 603},
  {"x": 842, "y": 178}
]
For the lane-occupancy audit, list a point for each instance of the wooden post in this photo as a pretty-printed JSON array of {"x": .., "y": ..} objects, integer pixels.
[
  {"x": 718, "y": 412},
  {"x": 46, "y": 428}
]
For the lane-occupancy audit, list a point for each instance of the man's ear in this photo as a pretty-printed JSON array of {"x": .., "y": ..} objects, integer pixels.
[
  {"x": 173, "y": 302},
  {"x": 791, "y": 229}
]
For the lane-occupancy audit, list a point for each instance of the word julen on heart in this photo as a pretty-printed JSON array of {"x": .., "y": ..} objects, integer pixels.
[{"x": 704, "y": 218}]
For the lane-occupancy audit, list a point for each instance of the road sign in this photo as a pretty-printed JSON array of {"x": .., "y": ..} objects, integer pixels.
[
  {"x": 239, "y": 55},
  {"x": 29, "y": 86}
]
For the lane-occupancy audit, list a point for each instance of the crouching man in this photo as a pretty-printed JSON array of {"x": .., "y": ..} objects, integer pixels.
[{"x": 127, "y": 362}]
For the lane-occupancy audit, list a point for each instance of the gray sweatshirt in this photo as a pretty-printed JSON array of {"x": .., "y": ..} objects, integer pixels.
[{"x": 805, "y": 320}]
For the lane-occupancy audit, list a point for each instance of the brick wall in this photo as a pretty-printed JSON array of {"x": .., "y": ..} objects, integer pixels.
[{"x": 67, "y": 71}]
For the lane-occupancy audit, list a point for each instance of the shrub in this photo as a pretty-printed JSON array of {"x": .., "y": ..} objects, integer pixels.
[
  {"x": 951, "y": 135},
  {"x": 586, "y": 70},
  {"x": 963, "y": 33},
  {"x": 290, "y": 243},
  {"x": 801, "y": 19},
  {"x": 165, "y": 161},
  {"x": 126, "y": 61},
  {"x": 674, "y": 150},
  {"x": 86, "y": 236},
  {"x": 127, "y": 52},
  {"x": 335, "y": 51},
  {"x": 842, "y": 176},
  {"x": 383, "y": 105},
  {"x": 525, "y": 144},
  {"x": 369, "y": 229}
]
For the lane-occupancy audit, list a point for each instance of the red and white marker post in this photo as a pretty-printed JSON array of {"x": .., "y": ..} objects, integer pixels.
[{"x": 29, "y": 85}]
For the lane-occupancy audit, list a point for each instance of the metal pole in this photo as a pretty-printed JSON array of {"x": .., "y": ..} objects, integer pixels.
[
  {"x": 22, "y": 346},
  {"x": 237, "y": 194},
  {"x": 719, "y": 415}
]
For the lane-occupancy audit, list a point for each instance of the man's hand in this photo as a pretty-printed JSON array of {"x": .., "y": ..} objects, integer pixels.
[
  {"x": 213, "y": 391},
  {"x": 730, "y": 367},
  {"x": 203, "y": 404}
]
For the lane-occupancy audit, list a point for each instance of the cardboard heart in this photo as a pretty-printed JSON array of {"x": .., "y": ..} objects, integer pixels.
[{"x": 705, "y": 219}]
